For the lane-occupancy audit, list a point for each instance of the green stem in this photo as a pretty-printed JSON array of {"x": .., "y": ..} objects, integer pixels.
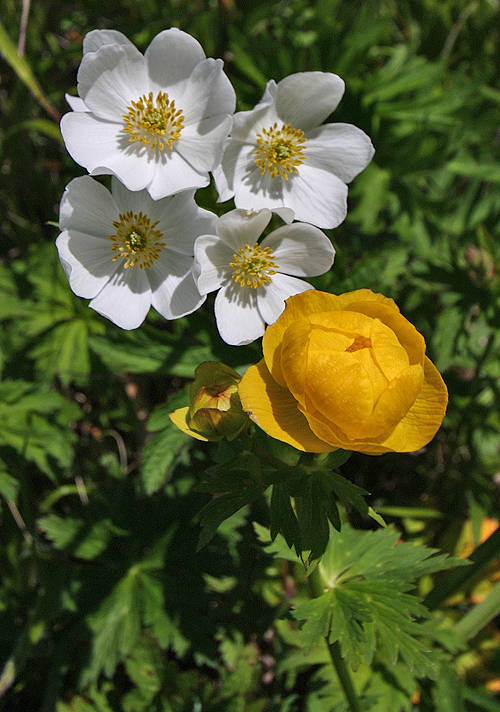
[
  {"x": 344, "y": 676},
  {"x": 317, "y": 589},
  {"x": 457, "y": 578},
  {"x": 480, "y": 615}
]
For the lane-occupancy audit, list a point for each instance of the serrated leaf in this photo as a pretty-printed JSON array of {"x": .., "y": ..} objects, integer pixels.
[
  {"x": 159, "y": 455},
  {"x": 283, "y": 519},
  {"x": 221, "y": 508},
  {"x": 369, "y": 579},
  {"x": 116, "y": 626},
  {"x": 85, "y": 539}
]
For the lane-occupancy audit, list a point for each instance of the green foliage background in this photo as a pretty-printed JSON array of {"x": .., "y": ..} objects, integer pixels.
[{"x": 105, "y": 602}]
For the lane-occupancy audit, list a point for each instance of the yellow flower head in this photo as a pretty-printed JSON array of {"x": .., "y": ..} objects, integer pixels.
[
  {"x": 346, "y": 371},
  {"x": 215, "y": 411}
]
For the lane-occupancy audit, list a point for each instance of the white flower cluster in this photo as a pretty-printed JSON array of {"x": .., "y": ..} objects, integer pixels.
[{"x": 159, "y": 124}]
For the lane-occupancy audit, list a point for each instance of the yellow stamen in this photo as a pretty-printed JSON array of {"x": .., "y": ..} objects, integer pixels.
[
  {"x": 252, "y": 266},
  {"x": 136, "y": 240},
  {"x": 154, "y": 122},
  {"x": 280, "y": 150}
]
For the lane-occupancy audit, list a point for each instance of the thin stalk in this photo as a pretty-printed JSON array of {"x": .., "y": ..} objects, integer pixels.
[
  {"x": 479, "y": 616},
  {"x": 317, "y": 589},
  {"x": 344, "y": 676}
]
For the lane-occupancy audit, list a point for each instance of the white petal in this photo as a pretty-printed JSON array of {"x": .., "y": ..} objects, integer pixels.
[
  {"x": 212, "y": 257},
  {"x": 174, "y": 292},
  {"x": 316, "y": 196},
  {"x": 342, "y": 149},
  {"x": 99, "y": 146},
  {"x": 173, "y": 174},
  {"x": 202, "y": 144},
  {"x": 75, "y": 103},
  {"x": 300, "y": 249},
  {"x": 305, "y": 99},
  {"x": 134, "y": 200},
  {"x": 171, "y": 57},
  {"x": 88, "y": 207},
  {"x": 109, "y": 79},
  {"x": 208, "y": 92},
  {"x": 238, "y": 319},
  {"x": 254, "y": 190},
  {"x": 87, "y": 262},
  {"x": 125, "y": 299},
  {"x": 286, "y": 214},
  {"x": 98, "y": 38},
  {"x": 240, "y": 227},
  {"x": 181, "y": 221},
  {"x": 247, "y": 124},
  {"x": 271, "y": 298},
  {"x": 225, "y": 173}
]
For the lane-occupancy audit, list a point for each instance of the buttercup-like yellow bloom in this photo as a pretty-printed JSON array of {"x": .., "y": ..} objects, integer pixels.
[
  {"x": 346, "y": 371},
  {"x": 215, "y": 410}
]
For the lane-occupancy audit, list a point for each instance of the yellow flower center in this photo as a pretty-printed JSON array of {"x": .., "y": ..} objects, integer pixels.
[
  {"x": 136, "y": 240},
  {"x": 280, "y": 150},
  {"x": 252, "y": 266},
  {"x": 154, "y": 122}
]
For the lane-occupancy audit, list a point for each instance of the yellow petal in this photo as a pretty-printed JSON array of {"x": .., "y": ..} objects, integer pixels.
[
  {"x": 409, "y": 338},
  {"x": 307, "y": 303},
  {"x": 340, "y": 388},
  {"x": 274, "y": 409},
  {"x": 179, "y": 418},
  {"x": 389, "y": 355},
  {"x": 424, "y": 418}
]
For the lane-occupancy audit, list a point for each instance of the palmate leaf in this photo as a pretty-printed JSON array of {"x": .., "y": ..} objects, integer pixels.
[{"x": 369, "y": 604}]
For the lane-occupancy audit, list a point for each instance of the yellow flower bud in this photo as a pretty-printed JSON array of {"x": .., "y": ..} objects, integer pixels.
[
  {"x": 346, "y": 371},
  {"x": 215, "y": 411}
]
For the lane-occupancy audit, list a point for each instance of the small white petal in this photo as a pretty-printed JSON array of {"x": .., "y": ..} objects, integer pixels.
[
  {"x": 87, "y": 207},
  {"x": 300, "y": 249},
  {"x": 317, "y": 197},
  {"x": 254, "y": 190},
  {"x": 240, "y": 227},
  {"x": 171, "y": 57},
  {"x": 109, "y": 79},
  {"x": 208, "y": 93},
  {"x": 247, "y": 124},
  {"x": 75, "y": 103},
  {"x": 238, "y": 319},
  {"x": 98, "y": 38},
  {"x": 305, "y": 99},
  {"x": 98, "y": 146},
  {"x": 125, "y": 299},
  {"x": 271, "y": 298},
  {"x": 174, "y": 292},
  {"x": 342, "y": 149},
  {"x": 173, "y": 174},
  {"x": 212, "y": 257},
  {"x": 87, "y": 261},
  {"x": 202, "y": 144},
  {"x": 134, "y": 200}
]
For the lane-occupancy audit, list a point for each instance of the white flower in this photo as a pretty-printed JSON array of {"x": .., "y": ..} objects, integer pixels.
[
  {"x": 126, "y": 252},
  {"x": 252, "y": 278},
  {"x": 278, "y": 155},
  {"x": 156, "y": 121}
]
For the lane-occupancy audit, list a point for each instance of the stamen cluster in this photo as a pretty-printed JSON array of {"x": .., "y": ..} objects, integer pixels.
[
  {"x": 253, "y": 266},
  {"x": 280, "y": 150},
  {"x": 136, "y": 241},
  {"x": 155, "y": 123}
]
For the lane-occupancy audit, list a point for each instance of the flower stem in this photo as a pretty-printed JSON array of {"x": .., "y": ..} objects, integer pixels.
[
  {"x": 316, "y": 588},
  {"x": 344, "y": 676}
]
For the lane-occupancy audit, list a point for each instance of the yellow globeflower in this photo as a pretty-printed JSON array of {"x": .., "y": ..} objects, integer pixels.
[{"x": 346, "y": 371}]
